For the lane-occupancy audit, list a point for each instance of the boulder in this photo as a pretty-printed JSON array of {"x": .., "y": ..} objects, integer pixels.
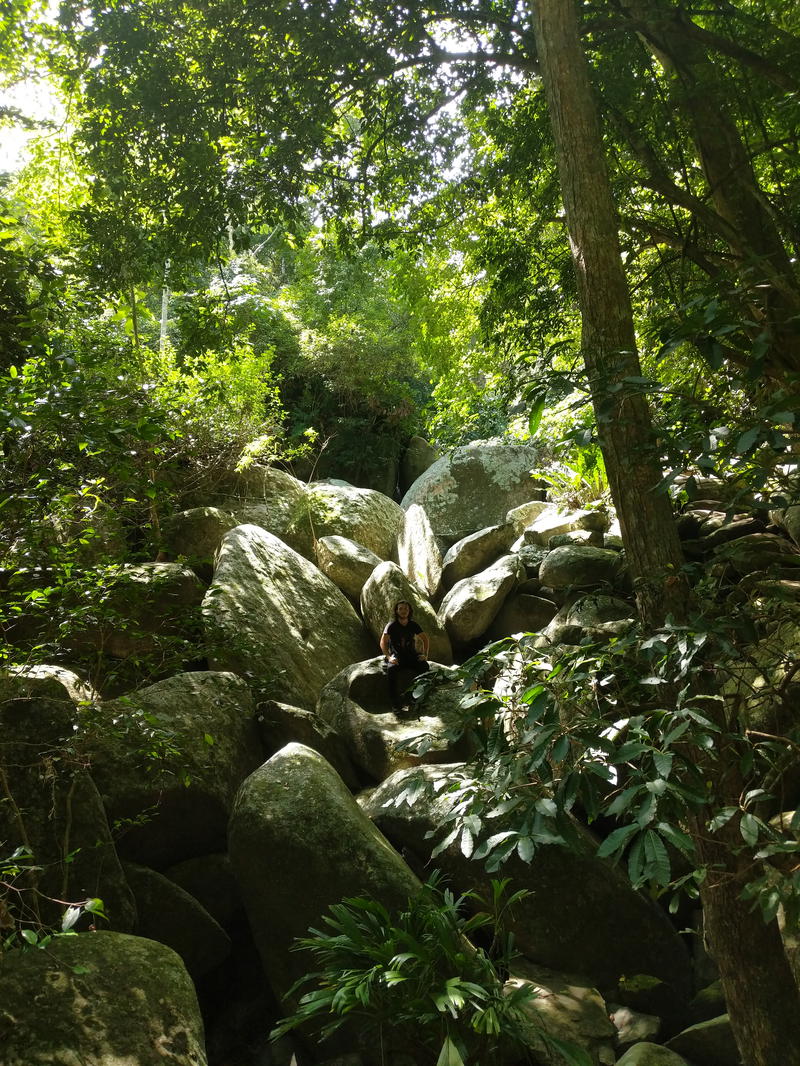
[
  {"x": 141, "y": 608},
  {"x": 384, "y": 588},
  {"x": 170, "y": 915},
  {"x": 576, "y": 536},
  {"x": 554, "y": 521},
  {"x": 597, "y": 615},
  {"x": 418, "y": 552},
  {"x": 474, "y": 553},
  {"x": 55, "y": 808},
  {"x": 347, "y": 564},
  {"x": 299, "y": 843},
  {"x": 522, "y": 613},
  {"x": 474, "y": 487},
  {"x": 196, "y": 535},
  {"x": 280, "y": 724},
  {"x": 97, "y": 999},
  {"x": 417, "y": 458},
  {"x": 272, "y": 617},
  {"x": 760, "y": 551},
  {"x": 209, "y": 879},
  {"x": 579, "y": 566},
  {"x": 168, "y": 761},
  {"x": 338, "y": 509},
  {"x": 646, "y": 1054},
  {"x": 526, "y": 514},
  {"x": 581, "y": 916},
  {"x": 469, "y": 607},
  {"x": 356, "y": 704},
  {"x": 567, "y": 1009},
  {"x": 710, "y": 1043},
  {"x": 788, "y": 518}
]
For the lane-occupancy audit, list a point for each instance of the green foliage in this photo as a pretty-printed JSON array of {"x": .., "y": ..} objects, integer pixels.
[
  {"x": 413, "y": 981},
  {"x": 652, "y": 733}
]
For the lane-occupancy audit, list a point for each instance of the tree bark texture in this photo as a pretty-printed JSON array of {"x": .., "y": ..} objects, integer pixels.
[
  {"x": 608, "y": 337},
  {"x": 759, "y": 987}
]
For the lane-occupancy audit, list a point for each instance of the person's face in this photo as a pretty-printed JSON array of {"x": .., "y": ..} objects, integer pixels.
[{"x": 403, "y": 612}]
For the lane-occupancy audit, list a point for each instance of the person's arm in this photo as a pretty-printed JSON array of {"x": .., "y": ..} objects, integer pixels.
[{"x": 386, "y": 647}]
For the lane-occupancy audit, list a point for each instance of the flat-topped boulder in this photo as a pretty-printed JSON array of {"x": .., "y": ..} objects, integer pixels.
[
  {"x": 342, "y": 510},
  {"x": 469, "y": 608},
  {"x": 474, "y": 553}
]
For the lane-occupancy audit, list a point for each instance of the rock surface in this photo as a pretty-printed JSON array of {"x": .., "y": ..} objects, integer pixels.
[
  {"x": 273, "y": 617},
  {"x": 356, "y": 704},
  {"x": 298, "y": 843},
  {"x": 338, "y": 509},
  {"x": 346, "y": 563},
  {"x": 474, "y": 487},
  {"x": 175, "y": 753},
  {"x": 469, "y": 607},
  {"x": 580, "y": 566},
  {"x": 418, "y": 553},
  {"x": 131, "y": 1001},
  {"x": 581, "y": 916},
  {"x": 475, "y": 552}
]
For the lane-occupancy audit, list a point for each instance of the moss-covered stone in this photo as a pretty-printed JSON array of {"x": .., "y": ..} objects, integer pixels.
[{"x": 97, "y": 999}]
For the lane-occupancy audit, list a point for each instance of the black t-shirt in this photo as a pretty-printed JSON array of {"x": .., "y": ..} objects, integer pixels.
[{"x": 401, "y": 640}]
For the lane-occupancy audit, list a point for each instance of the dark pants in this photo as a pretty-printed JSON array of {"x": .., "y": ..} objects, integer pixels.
[{"x": 403, "y": 673}]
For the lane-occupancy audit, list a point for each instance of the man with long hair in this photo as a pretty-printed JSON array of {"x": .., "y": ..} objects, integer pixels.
[{"x": 405, "y": 648}]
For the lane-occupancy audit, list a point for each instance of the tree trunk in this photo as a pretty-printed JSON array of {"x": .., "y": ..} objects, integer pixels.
[
  {"x": 759, "y": 987},
  {"x": 608, "y": 338}
]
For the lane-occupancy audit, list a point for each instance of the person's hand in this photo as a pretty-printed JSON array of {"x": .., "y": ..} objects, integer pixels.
[{"x": 392, "y": 660}]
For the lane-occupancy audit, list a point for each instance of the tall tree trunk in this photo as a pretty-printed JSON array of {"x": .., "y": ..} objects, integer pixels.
[{"x": 608, "y": 336}]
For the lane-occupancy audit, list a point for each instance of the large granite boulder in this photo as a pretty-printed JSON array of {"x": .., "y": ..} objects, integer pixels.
[
  {"x": 474, "y": 487},
  {"x": 264, "y": 496},
  {"x": 554, "y": 522},
  {"x": 580, "y": 566},
  {"x": 710, "y": 1043},
  {"x": 170, "y": 915},
  {"x": 99, "y": 999},
  {"x": 272, "y": 617},
  {"x": 299, "y": 843},
  {"x": 418, "y": 552},
  {"x": 346, "y": 563},
  {"x": 379, "y": 740},
  {"x": 522, "y": 612},
  {"x": 386, "y": 586},
  {"x": 581, "y": 915},
  {"x": 469, "y": 607},
  {"x": 168, "y": 761},
  {"x": 338, "y": 509},
  {"x": 474, "y": 553},
  {"x": 209, "y": 879},
  {"x": 51, "y": 804}
]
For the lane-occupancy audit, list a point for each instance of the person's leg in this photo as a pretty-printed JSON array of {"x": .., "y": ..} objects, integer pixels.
[
  {"x": 393, "y": 677},
  {"x": 413, "y": 670}
]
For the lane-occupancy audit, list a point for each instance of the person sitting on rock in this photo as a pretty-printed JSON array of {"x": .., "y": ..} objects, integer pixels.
[{"x": 405, "y": 647}]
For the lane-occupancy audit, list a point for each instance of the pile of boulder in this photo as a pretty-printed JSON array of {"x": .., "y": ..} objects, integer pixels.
[{"x": 219, "y": 812}]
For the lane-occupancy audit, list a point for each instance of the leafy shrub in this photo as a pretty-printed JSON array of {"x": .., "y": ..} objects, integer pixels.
[{"x": 413, "y": 981}]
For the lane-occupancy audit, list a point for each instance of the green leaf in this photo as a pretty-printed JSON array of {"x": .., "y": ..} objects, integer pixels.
[
  {"x": 747, "y": 440},
  {"x": 749, "y": 828},
  {"x": 657, "y": 867},
  {"x": 617, "y": 840},
  {"x": 449, "y": 1055}
]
